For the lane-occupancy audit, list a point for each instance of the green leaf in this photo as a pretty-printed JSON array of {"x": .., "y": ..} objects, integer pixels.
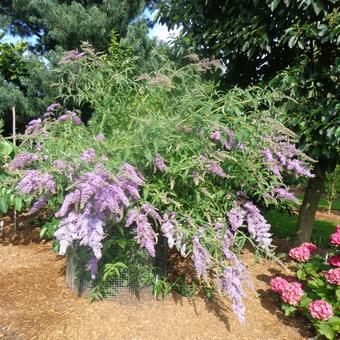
[
  {"x": 305, "y": 301},
  {"x": 43, "y": 231},
  {"x": 325, "y": 330},
  {"x": 6, "y": 148},
  {"x": 18, "y": 203},
  {"x": 288, "y": 310},
  {"x": 292, "y": 41},
  {"x": 274, "y": 4},
  {"x": 3, "y": 204},
  {"x": 337, "y": 293},
  {"x": 317, "y": 6}
]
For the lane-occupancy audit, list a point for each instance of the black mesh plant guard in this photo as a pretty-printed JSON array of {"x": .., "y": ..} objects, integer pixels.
[{"x": 134, "y": 283}]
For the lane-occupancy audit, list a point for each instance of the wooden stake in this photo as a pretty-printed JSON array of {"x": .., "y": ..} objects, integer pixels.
[{"x": 14, "y": 143}]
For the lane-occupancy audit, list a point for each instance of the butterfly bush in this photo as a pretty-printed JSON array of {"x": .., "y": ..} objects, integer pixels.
[{"x": 157, "y": 161}]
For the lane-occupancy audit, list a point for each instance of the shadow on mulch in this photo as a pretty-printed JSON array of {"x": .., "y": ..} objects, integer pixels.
[
  {"x": 27, "y": 231},
  {"x": 269, "y": 302},
  {"x": 215, "y": 306}
]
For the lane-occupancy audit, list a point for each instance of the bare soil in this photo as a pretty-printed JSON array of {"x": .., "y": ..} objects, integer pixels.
[{"x": 35, "y": 303}]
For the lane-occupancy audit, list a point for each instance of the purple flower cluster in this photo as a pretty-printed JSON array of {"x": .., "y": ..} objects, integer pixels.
[
  {"x": 21, "y": 160},
  {"x": 92, "y": 267},
  {"x": 229, "y": 142},
  {"x": 285, "y": 156},
  {"x": 37, "y": 205},
  {"x": 145, "y": 235},
  {"x": 53, "y": 107},
  {"x": 130, "y": 180},
  {"x": 236, "y": 217},
  {"x": 233, "y": 276},
  {"x": 84, "y": 227},
  {"x": 70, "y": 115},
  {"x": 62, "y": 166},
  {"x": 34, "y": 126},
  {"x": 215, "y": 169},
  {"x": 159, "y": 163},
  {"x": 72, "y": 55},
  {"x": 88, "y": 155},
  {"x": 36, "y": 181},
  {"x": 201, "y": 258},
  {"x": 99, "y": 138},
  {"x": 97, "y": 198},
  {"x": 215, "y": 135},
  {"x": 231, "y": 284},
  {"x": 257, "y": 225},
  {"x": 171, "y": 229},
  {"x": 282, "y": 193}
]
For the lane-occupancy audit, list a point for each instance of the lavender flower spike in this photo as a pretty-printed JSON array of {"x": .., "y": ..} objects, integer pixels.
[
  {"x": 92, "y": 267},
  {"x": 236, "y": 217},
  {"x": 159, "y": 163},
  {"x": 88, "y": 155},
  {"x": 201, "y": 258},
  {"x": 21, "y": 160}
]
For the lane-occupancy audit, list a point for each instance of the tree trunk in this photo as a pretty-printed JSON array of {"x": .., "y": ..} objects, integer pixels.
[{"x": 309, "y": 207}]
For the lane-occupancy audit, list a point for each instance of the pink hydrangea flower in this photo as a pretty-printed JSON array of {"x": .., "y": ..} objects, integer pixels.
[
  {"x": 310, "y": 246},
  {"x": 333, "y": 276},
  {"x": 338, "y": 228},
  {"x": 334, "y": 260},
  {"x": 320, "y": 309},
  {"x": 293, "y": 293},
  {"x": 335, "y": 238},
  {"x": 300, "y": 254},
  {"x": 278, "y": 284}
]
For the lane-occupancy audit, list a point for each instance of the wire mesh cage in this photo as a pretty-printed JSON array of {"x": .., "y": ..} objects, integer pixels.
[{"x": 132, "y": 285}]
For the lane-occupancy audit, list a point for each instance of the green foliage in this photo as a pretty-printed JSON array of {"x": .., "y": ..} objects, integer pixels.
[
  {"x": 12, "y": 65},
  {"x": 25, "y": 83},
  {"x": 332, "y": 187},
  {"x": 66, "y": 23},
  {"x": 295, "y": 41},
  {"x": 49, "y": 228}
]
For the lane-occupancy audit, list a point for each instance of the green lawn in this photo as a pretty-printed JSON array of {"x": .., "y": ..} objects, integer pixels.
[
  {"x": 323, "y": 203},
  {"x": 284, "y": 226}
]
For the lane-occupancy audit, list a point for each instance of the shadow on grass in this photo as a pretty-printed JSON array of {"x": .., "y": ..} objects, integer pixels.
[{"x": 284, "y": 227}]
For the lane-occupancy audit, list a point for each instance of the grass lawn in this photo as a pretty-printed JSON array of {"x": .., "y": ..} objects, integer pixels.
[
  {"x": 284, "y": 224},
  {"x": 323, "y": 203}
]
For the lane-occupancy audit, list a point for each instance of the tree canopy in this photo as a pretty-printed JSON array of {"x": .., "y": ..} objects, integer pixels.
[{"x": 67, "y": 23}]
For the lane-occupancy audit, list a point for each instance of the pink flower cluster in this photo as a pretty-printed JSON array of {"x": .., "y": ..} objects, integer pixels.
[
  {"x": 320, "y": 309},
  {"x": 334, "y": 260},
  {"x": 333, "y": 276},
  {"x": 303, "y": 252},
  {"x": 335, "y": 238},
  {"x": 290, "y": 292}
]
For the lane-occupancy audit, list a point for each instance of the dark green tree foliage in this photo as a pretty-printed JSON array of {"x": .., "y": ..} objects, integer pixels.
[
  {"x": 139, "y": 43},
  {"x": 67, "y": 23},
  {"x": 294, "y": 45},
  {"x": 25, "y": 82}
]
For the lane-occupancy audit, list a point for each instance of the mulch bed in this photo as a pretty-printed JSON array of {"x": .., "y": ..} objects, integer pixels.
[{"x": 35, "y": 303}]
